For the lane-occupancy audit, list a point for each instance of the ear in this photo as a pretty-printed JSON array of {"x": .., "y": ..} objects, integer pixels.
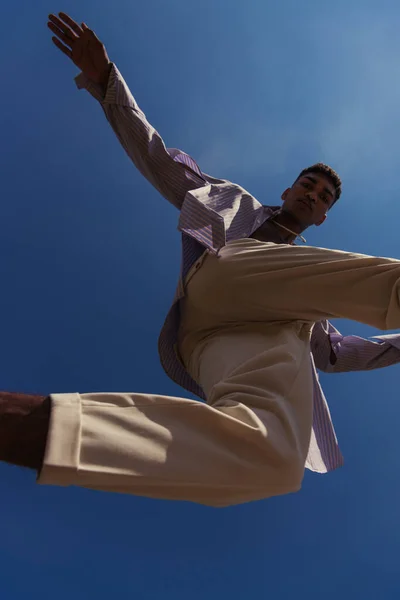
[
  {"x": 285, "y": 193},
  {"x": 321, "y": 221}
]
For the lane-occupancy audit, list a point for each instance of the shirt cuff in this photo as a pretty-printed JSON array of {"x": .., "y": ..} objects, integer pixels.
[
  {"x": 391, "y": 338},
  {"x": 117, "y": 91},
  {"x": 84, "y": 83}
]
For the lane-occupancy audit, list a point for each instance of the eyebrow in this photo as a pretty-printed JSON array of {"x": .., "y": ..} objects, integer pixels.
[{"x": 327, "y": 190}]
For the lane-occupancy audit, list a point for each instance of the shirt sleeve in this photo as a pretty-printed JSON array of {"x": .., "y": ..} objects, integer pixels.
[
  {"x": 335, "y": 353},
  {"x": 172, "y": 172}
]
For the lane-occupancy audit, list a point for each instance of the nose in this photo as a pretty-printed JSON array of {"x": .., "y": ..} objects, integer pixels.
[{"x": 312, "y": 197}]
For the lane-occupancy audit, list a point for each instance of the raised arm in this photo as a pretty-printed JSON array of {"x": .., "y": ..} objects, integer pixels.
[
  {"x": 172, "y": 172},
  {"x": 335, "y": 353}
]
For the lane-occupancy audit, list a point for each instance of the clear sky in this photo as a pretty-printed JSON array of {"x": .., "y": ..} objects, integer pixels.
[{"x": 254, "y": 91}]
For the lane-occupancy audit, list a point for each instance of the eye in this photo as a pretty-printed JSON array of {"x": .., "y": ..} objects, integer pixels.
[{"x": 306, "y": 185}]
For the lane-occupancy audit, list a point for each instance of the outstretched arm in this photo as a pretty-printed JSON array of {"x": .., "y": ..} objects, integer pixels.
[
  {"x": 335, "y": 353},
  {"x": 172, "y": 172}
]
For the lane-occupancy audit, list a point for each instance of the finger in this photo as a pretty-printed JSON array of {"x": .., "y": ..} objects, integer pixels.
[
  {"x": 74, "y": 26},
  {"x": 89, "y": 32},
  {"x": 94, "y": 36},
  {"x": 61, "y": 35},
  {"x": 62, "y": 27},
  {"x": 59, "y": 45}
]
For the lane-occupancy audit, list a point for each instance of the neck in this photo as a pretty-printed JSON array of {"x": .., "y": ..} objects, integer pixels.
[{"x": 288, "y": 220}]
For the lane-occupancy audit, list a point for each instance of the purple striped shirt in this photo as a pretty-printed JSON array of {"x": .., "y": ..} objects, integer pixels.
[{"x": 212, "y": 213}]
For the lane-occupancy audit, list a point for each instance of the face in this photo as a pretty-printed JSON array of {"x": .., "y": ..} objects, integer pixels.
[{"x": 309, "y": 199}]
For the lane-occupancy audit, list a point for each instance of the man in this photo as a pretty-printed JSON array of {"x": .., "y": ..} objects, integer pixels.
[{"x": 246, "y": 332}]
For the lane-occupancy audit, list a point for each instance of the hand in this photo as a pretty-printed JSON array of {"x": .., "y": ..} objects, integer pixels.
[{"x": 82, "y": 46}]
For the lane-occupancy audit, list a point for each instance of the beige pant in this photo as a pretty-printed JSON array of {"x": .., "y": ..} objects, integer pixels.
[{"x": 244, "y": 337}]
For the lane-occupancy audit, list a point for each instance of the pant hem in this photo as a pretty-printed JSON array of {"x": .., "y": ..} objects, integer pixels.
[{"x": 61, "y": 458}]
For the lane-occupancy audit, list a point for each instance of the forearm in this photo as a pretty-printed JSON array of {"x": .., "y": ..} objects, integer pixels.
[
  {"x": 358, "y": 354},
  {"x": 103, "y": 83},
  {"x": 335, "y": 353},
  {"x": 141, "y": 141}
]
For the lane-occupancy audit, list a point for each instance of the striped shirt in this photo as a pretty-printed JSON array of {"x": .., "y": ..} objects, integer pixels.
[{"x": 214, "y": 212}]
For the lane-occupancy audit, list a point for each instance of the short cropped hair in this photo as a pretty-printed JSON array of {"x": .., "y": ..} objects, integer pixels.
[{"x": 329, "y": 173}]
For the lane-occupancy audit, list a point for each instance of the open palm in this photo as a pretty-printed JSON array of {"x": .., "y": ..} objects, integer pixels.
[{"x": 81, "y": 45}]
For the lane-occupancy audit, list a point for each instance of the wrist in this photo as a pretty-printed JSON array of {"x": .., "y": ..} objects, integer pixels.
[{"x": 104, "y": 76}]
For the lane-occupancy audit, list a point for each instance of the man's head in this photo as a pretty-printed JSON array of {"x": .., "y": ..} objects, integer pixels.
[{"x": 314, "y": 192}]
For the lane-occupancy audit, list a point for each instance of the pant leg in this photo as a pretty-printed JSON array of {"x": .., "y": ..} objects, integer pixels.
[
  {"x": 254, "y": 281},
  {"x": 248, "y": 442}
]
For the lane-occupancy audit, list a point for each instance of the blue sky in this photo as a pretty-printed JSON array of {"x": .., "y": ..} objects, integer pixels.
[{"x": 254, "y": 91}]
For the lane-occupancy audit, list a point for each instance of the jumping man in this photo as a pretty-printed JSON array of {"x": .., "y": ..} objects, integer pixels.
[{"x": 246, "y": 332}]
